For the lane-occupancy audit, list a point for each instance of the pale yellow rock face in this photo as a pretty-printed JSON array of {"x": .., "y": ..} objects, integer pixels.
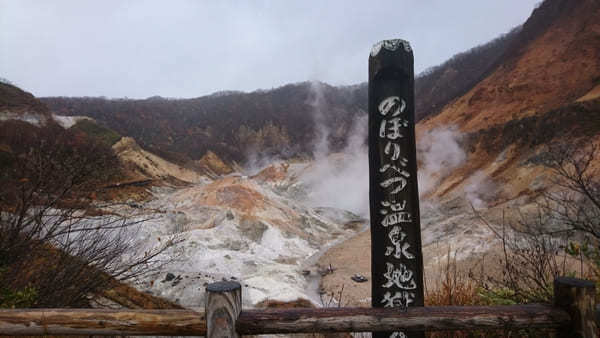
[
  {"x": 148, "y": 165},
  {"x": 591, "y": 95},
  {"x": 211, "y": 163}
]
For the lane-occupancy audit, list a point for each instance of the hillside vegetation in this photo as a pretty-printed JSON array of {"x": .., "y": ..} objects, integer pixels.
[
  {"x": 543, "y": 92},
  {"x": 58, "y": 246},
  {"x": 15, "y": 100},
  {"x": 281, "y": 122},
  {"x": 99, "y": 132}
]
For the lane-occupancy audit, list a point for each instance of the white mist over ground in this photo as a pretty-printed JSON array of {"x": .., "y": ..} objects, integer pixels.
[
  {"x": 342, "y": 180},
  {"x": 438, "y": 153},
  {"x": 479, "y": 189},
  {"x": 257, "y": 161},
  {"x": 338, "y": 180}
]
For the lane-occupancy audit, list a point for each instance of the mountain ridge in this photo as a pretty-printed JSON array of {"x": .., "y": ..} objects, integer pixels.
[
  {"x": 294, "y": 108},
  {"x": 552, "y": 64}
]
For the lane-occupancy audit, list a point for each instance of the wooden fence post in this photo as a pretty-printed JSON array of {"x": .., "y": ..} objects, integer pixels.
[
  {"x": 223, "y": 306},
  {"x": 576, "y": 296}
]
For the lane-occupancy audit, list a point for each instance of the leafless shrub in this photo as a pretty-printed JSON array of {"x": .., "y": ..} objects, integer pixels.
[
  {"x": 541, "y": 245},
  {"x": 531, "y": 258},
  {"x": 332, "y": 299},
  {"x": 577, "y": 205},
  {"x": 55, "y": 237}
]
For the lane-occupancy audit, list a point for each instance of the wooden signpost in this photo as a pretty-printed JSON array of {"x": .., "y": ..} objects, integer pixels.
[{"x": 396, "y": 259}]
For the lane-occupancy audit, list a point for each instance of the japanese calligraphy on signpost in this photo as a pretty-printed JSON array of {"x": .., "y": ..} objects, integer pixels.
[{"x": 397, "y": 262}]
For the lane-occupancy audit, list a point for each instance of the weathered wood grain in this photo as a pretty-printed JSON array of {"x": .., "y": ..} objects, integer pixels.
[
  {"x": 577, "y": 297},
  {"x": 35, "y": 322},
  {"x": 396, "y": 257},
  {"x": 415, "y": 319},
  {"x": 223, "y": 306},
  {"x": 573, "y": 314},
  {"x": 189, "y": 323}
]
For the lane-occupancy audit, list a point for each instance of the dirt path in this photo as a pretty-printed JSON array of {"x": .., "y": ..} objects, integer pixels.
[{"x": 348, "y": 258}]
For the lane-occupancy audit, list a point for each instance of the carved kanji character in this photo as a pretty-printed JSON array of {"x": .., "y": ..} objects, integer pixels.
[
  {"x": 399, "y": 248},
  {"x": 400, "y": 299},
  {"x": 401, "y": 277}
]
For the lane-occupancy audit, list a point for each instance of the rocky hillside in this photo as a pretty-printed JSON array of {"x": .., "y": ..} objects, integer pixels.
[
  {"x": 145, "y": 165},
  {"x": 484, "y": 148},
  {"x": 18, "y": 104},
  {"x": 255, "y": 230},
  {"x": 545, "y": 91},
  {"x": 558, "y": 65}
]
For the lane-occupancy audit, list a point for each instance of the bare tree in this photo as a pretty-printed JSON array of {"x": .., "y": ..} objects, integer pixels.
[
  {"x": 565, "y": 228},
  {"x": 531, "y": 257},
  {"x": 56, "y": 238},
  {"x": 576, "y": 169}
]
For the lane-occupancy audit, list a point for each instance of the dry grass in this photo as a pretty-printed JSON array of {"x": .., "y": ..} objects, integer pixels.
[
  {"x": 131, "y": 298},
  {"x": 276, "y": 304},
  {"x": 452, "y": 287}
]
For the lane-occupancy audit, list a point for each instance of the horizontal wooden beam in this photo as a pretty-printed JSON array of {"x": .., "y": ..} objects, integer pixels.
[
  {"x": 37, "y": 322},
  {"x": 415, "y": 319}
]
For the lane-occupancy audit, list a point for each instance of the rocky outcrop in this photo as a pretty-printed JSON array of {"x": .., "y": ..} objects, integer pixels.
[
  {"x": 212, "y": 165},
  {"x": 544, "y": 91},
  {"x": 147, "y": 165}
]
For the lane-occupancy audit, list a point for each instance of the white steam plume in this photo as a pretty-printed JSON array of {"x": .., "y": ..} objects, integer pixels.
[
  {"x": 257, "y": 161},
  {"x": 439, "y": 152},
  {"x": 479, "y": 189},
  {"x": 317, "y": 102},
  {"x": 342, "y": 180}
]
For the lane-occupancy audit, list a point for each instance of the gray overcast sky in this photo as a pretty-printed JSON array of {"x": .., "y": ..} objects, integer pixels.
[{"x": 193, "y": 48}]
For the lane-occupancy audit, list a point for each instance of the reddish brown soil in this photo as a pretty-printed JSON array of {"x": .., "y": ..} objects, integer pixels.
[{"x": 554, "y": 69}]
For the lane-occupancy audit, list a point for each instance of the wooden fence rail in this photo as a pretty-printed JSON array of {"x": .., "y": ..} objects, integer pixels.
[
  {"x": 433, "y": 318},
  {"x": 572, "y": 315},
  {"x": 38, "y": 322},
  {"x": 33, "y": 322}
]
